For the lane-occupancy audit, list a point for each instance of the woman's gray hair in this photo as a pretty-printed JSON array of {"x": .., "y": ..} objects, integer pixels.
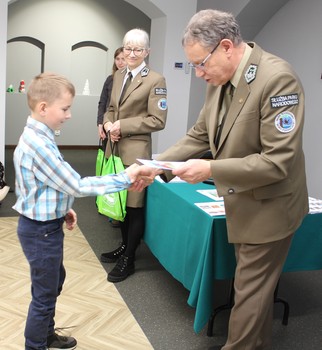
[
  {"x": 137, "y": 37},
  {"x": 209, "y": 27}
]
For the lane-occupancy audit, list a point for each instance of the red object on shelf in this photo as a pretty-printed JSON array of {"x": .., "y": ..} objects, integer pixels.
[{"x": 22, "y": 86}]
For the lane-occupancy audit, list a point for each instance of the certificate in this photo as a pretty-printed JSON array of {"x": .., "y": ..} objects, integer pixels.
[{"x": 165, "y": 165}]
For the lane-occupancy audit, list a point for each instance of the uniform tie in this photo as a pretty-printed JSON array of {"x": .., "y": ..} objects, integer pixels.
[
  {"x": 226, "y": 102},
  {"x": 126, "y": 85}
]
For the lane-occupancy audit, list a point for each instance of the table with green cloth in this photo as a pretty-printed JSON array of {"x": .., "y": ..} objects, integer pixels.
[{"x": 193, "y": 246}]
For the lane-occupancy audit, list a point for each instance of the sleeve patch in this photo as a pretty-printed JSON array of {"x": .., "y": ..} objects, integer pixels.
[
  {"x": 284, "y": 100},
  {"x": 162, "y": 104},
  {"x": 160, "y": 91},
  {"x": 285, "y": 122}
]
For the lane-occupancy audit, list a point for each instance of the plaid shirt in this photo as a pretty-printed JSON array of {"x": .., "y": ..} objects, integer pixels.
[{"x": 45, "y": 184}]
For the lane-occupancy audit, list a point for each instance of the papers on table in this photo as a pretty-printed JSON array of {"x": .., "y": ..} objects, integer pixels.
[
  {"x": 213, "y": 194},
  {"x": 315, "y": 205},
  {"x": 217, "y": 206},
  {"x": 214, "y": 208}
]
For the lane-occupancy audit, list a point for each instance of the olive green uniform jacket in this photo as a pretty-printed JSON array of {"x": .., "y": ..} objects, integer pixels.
[
  {"x": 258, "y": 166},
  {"x": 143, "y": 110}
]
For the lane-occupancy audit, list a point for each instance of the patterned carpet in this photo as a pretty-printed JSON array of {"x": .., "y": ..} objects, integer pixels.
[{"x": 95, "y": 311}]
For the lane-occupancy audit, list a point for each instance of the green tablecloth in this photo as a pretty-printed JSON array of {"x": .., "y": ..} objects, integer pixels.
[{"x": 193, "y": 246}]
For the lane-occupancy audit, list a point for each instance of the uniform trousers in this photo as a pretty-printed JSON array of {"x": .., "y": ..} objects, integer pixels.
[
  {"x": 42, "y": 244},
  {"x": 258, "y": 270}
]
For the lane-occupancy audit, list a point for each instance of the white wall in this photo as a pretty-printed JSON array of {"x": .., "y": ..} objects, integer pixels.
[
  {"x": 294, "y": 34},
  {"x": 61, "y": 24},
  {"x": 178, "y": 82}
]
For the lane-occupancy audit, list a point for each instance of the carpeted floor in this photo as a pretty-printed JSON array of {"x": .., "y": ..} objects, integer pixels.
[
  {"x": 159, "y": 302},
  {"x": 89, "y": 309}
]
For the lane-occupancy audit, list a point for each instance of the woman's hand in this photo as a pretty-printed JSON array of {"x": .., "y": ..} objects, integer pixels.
[
  {"x": 115, "y": 131},
  {"x": 101, "y": 132}
]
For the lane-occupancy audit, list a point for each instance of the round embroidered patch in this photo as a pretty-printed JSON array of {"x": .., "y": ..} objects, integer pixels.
[
  {"x": 162, "y": 104},
  {"x": 285, "y": 122}
]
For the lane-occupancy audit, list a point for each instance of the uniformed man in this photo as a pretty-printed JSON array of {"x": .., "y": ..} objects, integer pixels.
[{"x": 252, "y": 122}]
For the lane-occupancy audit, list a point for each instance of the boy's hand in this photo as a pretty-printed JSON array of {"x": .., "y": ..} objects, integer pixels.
[
  {"x": 70, "y": 219},
  {"x": 141, "y": 176}
]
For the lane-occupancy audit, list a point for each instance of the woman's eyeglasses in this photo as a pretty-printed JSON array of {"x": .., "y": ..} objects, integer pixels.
[{"x": 137, "y": 51}]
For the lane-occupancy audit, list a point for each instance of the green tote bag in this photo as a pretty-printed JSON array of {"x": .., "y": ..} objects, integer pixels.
[{"x": 112, "y": 205}]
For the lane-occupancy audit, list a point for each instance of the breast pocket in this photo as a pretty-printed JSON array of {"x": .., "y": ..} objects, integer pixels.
[
  {"x": 244, "y": 133},
  {"x": 249, "y": 117}
]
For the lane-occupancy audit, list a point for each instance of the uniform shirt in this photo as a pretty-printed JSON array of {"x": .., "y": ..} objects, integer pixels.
[
  {"x": 136, "y": 70},
  {"x": 45, "y": 184},
  {"x": 134, "y": 73}
]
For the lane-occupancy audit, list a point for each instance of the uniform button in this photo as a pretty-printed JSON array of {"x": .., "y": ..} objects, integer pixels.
[{"x": 231, "y": 191}]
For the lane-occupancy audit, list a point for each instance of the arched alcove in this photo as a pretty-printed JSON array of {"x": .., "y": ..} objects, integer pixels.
[
  {"x": 94, "y": 54},
  {"x": 28, "y": 63}
]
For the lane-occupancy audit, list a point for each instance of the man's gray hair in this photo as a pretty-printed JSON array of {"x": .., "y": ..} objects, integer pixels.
[{"x": 209, "y": 27}]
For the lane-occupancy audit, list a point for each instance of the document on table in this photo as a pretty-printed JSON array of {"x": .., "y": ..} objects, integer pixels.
[
  {"x": 213, "y": 194},
  {"x": 315, "y": 205},
  {"x": 212, "y": 208},
  {"x": 165, "y": 165},
  {"x": 215, "y": 208}
]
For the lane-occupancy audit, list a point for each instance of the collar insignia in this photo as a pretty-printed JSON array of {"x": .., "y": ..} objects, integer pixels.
[
  {"x": 145, "y": 72},
  {"x": 250, "y": 74}
]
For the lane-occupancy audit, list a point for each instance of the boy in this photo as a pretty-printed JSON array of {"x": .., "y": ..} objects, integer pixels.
[{"x": 45, "y": 187}]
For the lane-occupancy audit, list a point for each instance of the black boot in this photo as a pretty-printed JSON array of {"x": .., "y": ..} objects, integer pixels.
[
  {"x": 124, "y": 268},
  {"x": 113, "y": 255},
  {"x": 56, "y": 341}
]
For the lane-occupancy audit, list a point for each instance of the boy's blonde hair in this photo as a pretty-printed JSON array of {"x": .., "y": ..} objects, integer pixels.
[{"x": 48, "y": 87}]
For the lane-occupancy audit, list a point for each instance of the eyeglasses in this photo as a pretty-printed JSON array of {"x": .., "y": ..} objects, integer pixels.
[
  {"x": 202, "y": 64},
  {"x": 137, "y": 51}
]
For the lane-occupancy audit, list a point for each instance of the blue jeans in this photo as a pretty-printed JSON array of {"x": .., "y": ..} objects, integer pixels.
[{"x": 42, "y": 244}]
